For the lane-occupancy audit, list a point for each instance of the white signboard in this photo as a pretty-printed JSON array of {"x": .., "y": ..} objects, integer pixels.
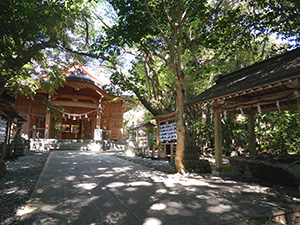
[
  {"x": 98, "y": 135},
  {"x": 3, "y": 126},
  {"x": 167, "y": 132}
]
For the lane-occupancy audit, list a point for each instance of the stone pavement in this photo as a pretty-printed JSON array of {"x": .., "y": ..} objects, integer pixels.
[{"x": 97, "y": 188}]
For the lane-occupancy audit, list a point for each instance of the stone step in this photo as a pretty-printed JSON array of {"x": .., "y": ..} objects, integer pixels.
[{"x": 80, "y": 145}]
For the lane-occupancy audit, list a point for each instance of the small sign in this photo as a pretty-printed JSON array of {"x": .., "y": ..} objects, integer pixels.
[
  {"x": 3, "y": 125},
  {"x": 98, "y": 134}
]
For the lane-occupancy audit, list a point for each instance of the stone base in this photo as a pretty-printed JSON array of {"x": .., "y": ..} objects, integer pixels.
[
  {"x": 198, "y": 166},
  {"x": 269, "y": 169},
  {"x": 191, "y": 159}
]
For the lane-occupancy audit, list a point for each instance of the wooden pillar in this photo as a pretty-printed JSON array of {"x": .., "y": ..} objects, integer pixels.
[
  {"x": 157, "y": 133},
  {"x": 148, "y": 137},
  {"x": 47, "y": 124},
  {"x": 218, "y": 139},
  {"x": 172, "y": 153},
  {"x": 137, "y": 137},
  {"x": 153, "y": 152},
  {"x": 298, "y": 103},
  {"x": 158, "y": 152},
  {"x": 29, "y": 127},
  {"x": 93, "y": 125},
  {"x": 251, "y": 134},
  {"x": 98, "y": 119},
  {"x": 297, "y": 94}
]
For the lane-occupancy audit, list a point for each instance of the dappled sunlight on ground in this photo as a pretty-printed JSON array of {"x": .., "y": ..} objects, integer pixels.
[{"x": 101, "y": 189}]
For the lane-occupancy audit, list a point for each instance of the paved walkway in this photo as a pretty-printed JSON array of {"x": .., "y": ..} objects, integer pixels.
[{"x": 97, "y": 188}]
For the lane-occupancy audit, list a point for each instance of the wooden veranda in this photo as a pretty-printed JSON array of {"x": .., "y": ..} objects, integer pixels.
[{"x": 271, "y": 85}]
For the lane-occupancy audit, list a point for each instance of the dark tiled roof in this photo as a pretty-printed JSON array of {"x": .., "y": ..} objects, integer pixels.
[{"x": 275, "y": 69}]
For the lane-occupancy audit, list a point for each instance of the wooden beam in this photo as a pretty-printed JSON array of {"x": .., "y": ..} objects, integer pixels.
[
  {"x": 218, "y": 139},
  {"x": 76, "y": 97},
  {"x": 267, "y": 97},
  {"x": 265, "y": 107},
  {"x": 293, "y": 83},
  {"x": 287, "y": 96},
  {"x": 76, "y": 104}
]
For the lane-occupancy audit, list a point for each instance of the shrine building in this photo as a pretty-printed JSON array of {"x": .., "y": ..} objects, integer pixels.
[{"x": 85, "y": 112}]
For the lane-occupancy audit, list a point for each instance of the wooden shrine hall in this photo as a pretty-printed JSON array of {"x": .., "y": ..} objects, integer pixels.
[
  {"x": 271, "y": 85},
  {"x": 86, "y": 111}
]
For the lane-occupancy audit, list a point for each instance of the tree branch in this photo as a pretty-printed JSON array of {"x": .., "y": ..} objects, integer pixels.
[
  {"x": 205, "y": 20},
  {"x": 167, "y": 15},
  {"x": 156, "y": 23}
]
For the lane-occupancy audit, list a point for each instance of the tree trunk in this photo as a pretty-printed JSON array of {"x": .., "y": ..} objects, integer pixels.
[{"x": 180, "y": 129}]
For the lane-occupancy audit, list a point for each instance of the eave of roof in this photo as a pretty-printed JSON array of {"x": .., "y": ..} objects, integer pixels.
[
  {"x": 148, "y": 124},
  {"x": 270, "y": 71},
  {"x": 7, "y": 110},
  {"x": 170, "y": 115}
]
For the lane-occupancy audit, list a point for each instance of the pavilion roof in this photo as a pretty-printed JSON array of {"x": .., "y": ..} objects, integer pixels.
[
  {"x": 8, "y": 110},
  {"x": 258, "y": 76},
  {"x": 258, "y": 82},
  {"x": 148, "y": 124}
]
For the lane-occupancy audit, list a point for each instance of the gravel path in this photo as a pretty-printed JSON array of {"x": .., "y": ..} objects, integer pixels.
[{"x": 17, "y": 185}]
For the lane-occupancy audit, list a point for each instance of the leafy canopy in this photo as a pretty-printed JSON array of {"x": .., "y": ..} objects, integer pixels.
[{"x": 32, "y": 33}]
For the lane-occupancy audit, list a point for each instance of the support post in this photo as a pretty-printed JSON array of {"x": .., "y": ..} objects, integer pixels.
[
  {"x": 297, "y": 94},
  {"x": 153, "y": 152},
  {"x": 47, "y": 124},
  {"x": 218, "y": 139},
  {"x": 298, "y": 103},
  {"x": 172, "y": 154},
  {"x": 29, "y": 126},
  {"x": 158, "y": 152},
  {"x": 251, "y": 134},
  {"x": 157, "y": 133},
  {"x": 98, "y": 119}
]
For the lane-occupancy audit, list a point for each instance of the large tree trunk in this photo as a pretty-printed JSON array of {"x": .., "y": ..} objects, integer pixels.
[{"x": 180, "y": 129}]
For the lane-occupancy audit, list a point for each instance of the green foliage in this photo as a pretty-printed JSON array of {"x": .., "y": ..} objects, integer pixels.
[
  {"x": 279, "y": 17},
  {"x": 278, "y": 132},
  {"x": 30, "y": 31}
]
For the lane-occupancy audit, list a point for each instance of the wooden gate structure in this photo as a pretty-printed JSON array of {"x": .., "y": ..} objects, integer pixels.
[
  {"x": 270, "y": 85},
  {"x": 88, "y": 113}
]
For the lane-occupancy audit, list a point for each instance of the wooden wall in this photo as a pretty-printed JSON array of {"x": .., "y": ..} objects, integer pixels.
[{"x": 112, "y": 118}]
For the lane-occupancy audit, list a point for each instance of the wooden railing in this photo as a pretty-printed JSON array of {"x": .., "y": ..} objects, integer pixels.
[{"x": 157, "y": 152}]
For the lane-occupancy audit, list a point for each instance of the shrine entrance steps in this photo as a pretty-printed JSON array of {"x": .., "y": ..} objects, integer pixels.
[{"x": 81, "y": 145}]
